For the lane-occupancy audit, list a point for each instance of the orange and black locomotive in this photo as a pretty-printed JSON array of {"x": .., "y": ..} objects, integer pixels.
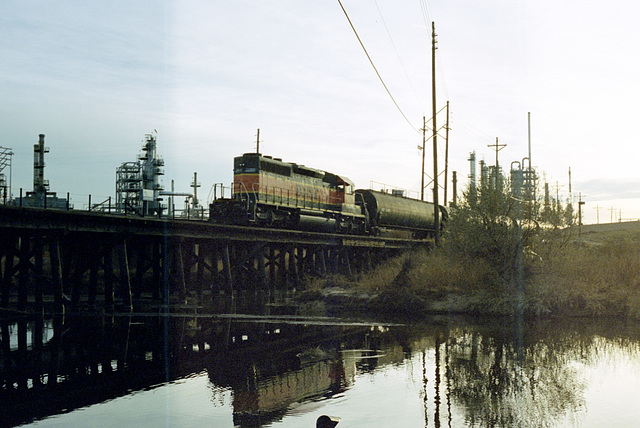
[{"x": 270, "y": 192}]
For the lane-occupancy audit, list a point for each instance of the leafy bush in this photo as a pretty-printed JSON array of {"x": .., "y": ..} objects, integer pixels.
[
  {"x": 488, "y": 226},
  {"x": 500, "y": 254}
]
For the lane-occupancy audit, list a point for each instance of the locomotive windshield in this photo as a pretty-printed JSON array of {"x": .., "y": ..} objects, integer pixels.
[
  {"x": 340, "y": 183},
  {"x": 245, "y": 164},
  {"x": 345, "y": 185},
  {"x": 346, "y": 188}
]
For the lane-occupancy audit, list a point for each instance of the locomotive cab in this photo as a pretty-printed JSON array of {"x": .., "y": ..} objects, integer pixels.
[
  {"x": 270, "y": 192},
  {"x": 344, "y": 196},
  {"x": 342, "y": 186}
]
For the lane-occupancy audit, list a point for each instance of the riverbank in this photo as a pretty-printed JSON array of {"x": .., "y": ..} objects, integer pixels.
[{"x": 586, "y": 273}]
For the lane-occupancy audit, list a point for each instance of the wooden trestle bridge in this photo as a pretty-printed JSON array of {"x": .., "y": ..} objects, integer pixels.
[{"x": 85, "y": 259}]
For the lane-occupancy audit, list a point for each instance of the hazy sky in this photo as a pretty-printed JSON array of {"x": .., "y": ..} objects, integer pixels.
[{"x": 96, "y": 76}]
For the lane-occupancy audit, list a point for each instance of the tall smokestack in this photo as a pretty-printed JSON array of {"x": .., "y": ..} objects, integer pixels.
[{"x": 39, "y": 184}]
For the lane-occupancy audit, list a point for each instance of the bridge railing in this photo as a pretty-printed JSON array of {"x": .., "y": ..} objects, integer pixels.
[{"x": 105, "y": 205}]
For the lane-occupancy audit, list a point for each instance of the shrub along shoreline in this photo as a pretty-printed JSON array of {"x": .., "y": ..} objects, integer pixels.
[
  {"x": 594, "y": 275},
  {"x": 503, "y": 253}
]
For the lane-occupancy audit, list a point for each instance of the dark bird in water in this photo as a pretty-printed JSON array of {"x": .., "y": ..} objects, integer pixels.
[{"x": 325, "y": 421}]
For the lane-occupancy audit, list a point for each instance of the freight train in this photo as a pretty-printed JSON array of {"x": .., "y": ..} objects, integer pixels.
[{"x": 270, "y": 192}]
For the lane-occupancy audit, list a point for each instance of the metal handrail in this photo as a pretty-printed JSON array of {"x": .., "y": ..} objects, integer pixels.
[{"x": 234, "y": 189}]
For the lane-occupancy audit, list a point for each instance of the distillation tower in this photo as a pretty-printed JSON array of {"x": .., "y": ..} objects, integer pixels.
[
  {"x": 138, "y": 183},
  {"x": 40, "y": 196}
]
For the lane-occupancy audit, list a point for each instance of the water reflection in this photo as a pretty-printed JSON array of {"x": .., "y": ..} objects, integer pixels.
[
  {"x": 283, "y": 370},
  {"x": 501, "y": 384}
]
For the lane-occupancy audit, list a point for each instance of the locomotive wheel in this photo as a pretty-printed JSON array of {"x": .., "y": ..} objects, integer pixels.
[
  {"x": 294, "y": 219},
  {"x": 348, "y": 226},
  {"x": 265, "y": 218}
]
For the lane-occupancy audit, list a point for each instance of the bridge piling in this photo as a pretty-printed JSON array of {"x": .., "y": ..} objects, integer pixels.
[
  {"x": 226, "y": 265},
  {"x": 124, "y": 273},
  {"x": 262, "y": 274},
  {"x": 56, "y": 272},
  {"x": 93, "y": 281},
  {"x": 109, "y": 281},
  {"x": 54, "y": 258},
  {"x": 23, "y": 275},
  {"x": 39, "y": 278}
]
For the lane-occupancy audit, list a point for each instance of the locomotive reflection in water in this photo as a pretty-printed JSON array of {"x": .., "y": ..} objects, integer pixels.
[
  {"x": 270, "y": 192},
  {"x": 261, "y": 370}
]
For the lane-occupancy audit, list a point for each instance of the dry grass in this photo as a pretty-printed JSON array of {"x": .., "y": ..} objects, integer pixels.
[
  {"x": 593, "y": 275},
  {"x": 384, "y": 274},
  {"x": 423, "y": 270},
  {"x": 439, "y": 273},
  {"x": 421, "y": 281}
]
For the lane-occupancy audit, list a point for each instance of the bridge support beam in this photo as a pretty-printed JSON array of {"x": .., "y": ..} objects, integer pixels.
[{"x": 65, "y": 267}]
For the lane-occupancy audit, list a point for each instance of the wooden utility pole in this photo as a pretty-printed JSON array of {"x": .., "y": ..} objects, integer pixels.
[
  {"x": 436, "y": 206},
  {"x": 570, "y": 193},
  {"x": 454, "y": 183},
  {"x": 258, "y": 142},
  {"x": 446, "y": 157},
  {"x": 497, "y": 147},
  {"x": 424, "y": 143},
  {"x": 557, "y": 204},
  {"x": 580, "y": 204},
  {"x": 496, "y": 180},
  {"x": 423, "y": 146}
]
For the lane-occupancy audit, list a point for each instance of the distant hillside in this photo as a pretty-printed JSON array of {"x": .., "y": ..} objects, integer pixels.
[{"x": 604, "y": 231}]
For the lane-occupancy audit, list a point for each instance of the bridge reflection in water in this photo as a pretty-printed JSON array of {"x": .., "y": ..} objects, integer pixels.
[
  {"x": 56, "y": 365},
  {"x": 274, "y": 369}
]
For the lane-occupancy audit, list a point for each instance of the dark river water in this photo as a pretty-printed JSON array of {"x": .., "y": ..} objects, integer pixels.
[{"x": 279, "y": 366}]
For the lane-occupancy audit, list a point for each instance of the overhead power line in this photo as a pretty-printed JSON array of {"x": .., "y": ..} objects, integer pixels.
[
  {"x": 375, "y": 69},
  {"x": 425, "y": 13},
  {"x": 404, "y": 69},
  {"x": 426, "y": 16}
]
